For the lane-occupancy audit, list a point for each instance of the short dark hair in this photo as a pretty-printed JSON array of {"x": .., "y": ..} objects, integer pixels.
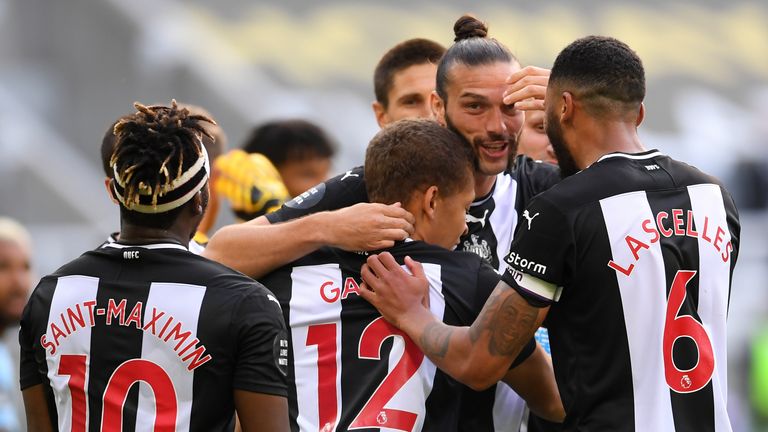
[
  {"x": 401, "y": 56},
  {"x": 285, "y": 140},
  {"x": 603, "y": 72},
  {"x": 472, "y": 47},
  {"x": 413, "y": 154},
  {"x": 152, "y": 148}
]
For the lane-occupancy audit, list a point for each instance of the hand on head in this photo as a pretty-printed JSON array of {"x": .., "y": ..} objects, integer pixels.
[{"x": 527, "y": 88}]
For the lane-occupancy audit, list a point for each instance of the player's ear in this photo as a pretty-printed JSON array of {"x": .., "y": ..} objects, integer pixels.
[
  {"x": 438, "y": 107},
  {"x": 640, "y": 115},
  {"x": 566, "y": 110},
  {"x": 108, "y": 185},
  {"x": 382, "y": 118},
  {"x": 429, "y": 201}
]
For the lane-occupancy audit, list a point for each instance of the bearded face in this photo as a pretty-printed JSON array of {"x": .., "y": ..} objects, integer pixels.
[{"x": 554, "y": 131}]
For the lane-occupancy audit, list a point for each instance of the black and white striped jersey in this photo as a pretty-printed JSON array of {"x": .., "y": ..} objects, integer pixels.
[
  {"x": 187, "y": 330},
  {"x": 193, "y": 246},
  {"x": 350, "y": 369},
  {"x": 491, "y": 221},
  {"x": 635, "y": 255}
]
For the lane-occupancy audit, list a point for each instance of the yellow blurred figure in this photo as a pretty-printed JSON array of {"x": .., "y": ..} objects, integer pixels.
[{"x": 250, "y": 183}]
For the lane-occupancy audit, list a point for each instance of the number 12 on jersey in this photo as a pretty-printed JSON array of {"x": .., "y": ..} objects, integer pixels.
[{"x": 374, "y": 413}]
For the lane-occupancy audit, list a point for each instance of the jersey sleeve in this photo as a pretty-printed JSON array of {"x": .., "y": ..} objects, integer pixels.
[
  {"x": 540, "y": 259},
  {"x": 262, "y": 353},
  {"x": 29, "y": 370},
  {"x": 344, "y": 190}
]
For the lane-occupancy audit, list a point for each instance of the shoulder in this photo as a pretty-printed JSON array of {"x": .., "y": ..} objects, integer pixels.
[{"x": 539, "y": 175}]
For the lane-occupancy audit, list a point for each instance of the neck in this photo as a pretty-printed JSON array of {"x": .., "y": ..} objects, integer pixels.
[
  {"x": 610, "y": 137},
  {"x": 483, "y": 184},
  {"x": 133, "y": 234}
]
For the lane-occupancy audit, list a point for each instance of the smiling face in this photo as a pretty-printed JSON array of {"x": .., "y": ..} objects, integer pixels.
[
  {"x": 409, "y": 95},
  {"x": 474, "y": 108}
]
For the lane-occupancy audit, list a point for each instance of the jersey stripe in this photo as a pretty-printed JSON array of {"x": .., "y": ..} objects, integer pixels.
[
  {"x": 642, "y": 305},
  {"x": 308, "y": 308},
  {"x": 180, "y": 305},
  {"x": 707, "y": 201},
  {"x": 503, "y": 219},
  {"x": 70, "y": 292}
]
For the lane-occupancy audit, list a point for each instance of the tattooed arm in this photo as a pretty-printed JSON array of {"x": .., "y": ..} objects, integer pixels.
[{"x": 479, "y": 355}]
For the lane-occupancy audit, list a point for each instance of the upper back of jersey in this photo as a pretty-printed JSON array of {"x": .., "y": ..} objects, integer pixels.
[
  {"x": 186, "y": 330},
  {"x": 637, "y": 252},
  {"x": 350, "y": 368}
]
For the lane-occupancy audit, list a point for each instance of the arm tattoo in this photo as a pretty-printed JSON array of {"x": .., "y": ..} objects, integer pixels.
[
  {"x": 508, "y": 322},
  {"x": 435, "y": 339}
]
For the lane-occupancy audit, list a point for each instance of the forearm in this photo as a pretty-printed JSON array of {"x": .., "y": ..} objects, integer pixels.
[
  {"x": 534, "y": 381},
  {"x": 255, "y": 248}
]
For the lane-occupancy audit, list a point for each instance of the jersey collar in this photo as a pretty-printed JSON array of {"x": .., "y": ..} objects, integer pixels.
[
  {"x": 146, "y": 246},
  {"x": 635, "y": 156}
]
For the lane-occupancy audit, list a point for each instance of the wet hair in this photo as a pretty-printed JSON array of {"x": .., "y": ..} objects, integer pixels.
[
  {"x": 403, "y": 55},
  {"x": 154, "y": 147},
  {"x": 603, "y": 73},
  {"x": 284, "y": 140},
  {"x": 411, "y": 155},
  {"x": 472, "y": 47}
]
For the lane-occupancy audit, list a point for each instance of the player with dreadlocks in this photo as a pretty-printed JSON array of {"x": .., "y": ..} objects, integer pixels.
[{"x": 198, "y": 338}]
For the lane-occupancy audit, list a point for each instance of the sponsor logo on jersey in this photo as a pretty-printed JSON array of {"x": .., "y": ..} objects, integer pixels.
[
  {"x": 280, "y": 352},
  {"x": 481, "y": 220},
  {"x": 679, "y": 226},
  {"x": 480, "y": 248},
  {"x": 518, "y": 262},
  {"x": 308, "y": 199},
  {"x": 530, "y": 218},
  {"x": 330, "y": 293}
]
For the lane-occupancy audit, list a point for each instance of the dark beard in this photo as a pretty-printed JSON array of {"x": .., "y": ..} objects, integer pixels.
[
  {"x": 564, "y": 157},
  {"x": 511, "y": 141}
]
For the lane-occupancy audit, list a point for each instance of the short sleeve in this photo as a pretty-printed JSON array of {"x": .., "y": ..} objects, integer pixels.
[
  {"x": 262, "y": 340},
  {"x": 487, "y": 279},
  {"x": 342, "y": 191},
  {"x": 29, "y": 370},
  {"x": 541, "y": 253}
]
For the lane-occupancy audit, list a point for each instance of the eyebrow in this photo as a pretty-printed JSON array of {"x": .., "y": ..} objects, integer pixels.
[
  {"x": 470, "y": 95},
  {"x": 409, "y": 96}
]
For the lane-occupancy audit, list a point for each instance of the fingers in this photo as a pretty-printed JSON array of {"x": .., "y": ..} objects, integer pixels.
[
  {"x": 518, "y": 96},
  {"x": 528, "y": 71},
  {"x": 529, "y": 82},
  {"x": 397, "y": 211},
  {"x": 389, "y": 263},
  {"x": 530, "y": 105},
  {"x": 415, "y": 268},
  {"x": 374, "y": 265}
]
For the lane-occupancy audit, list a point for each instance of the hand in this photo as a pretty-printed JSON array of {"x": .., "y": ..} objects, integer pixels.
[
  {"x": 527, "y": 88},
  {"x": 395, "y": 293},
  {"x": 369, "y": 226}
]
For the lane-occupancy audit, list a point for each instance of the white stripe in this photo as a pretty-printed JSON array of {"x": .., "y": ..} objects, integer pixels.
[
  {"x": 182, "y": 302},
  {"x": 714, "y": 280},
  {"x": 146, "y": 246},
  {"x": 537, "y": 286},
  {"x": 307, "y": 308},
  {"x": 643, "y": 299},
  {"x": 413, "y": 395},
  {"x": 70, "y": 291},
  {"x": 631, "y": 156},
  {"x": 503, "y": 219}
]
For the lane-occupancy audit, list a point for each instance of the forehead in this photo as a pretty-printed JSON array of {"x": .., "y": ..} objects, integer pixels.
[
  {"x": 11, "y": 249},
  {"x": 534, "y": 116},
  {"x": 414, "y": 79},
  {"x": 482, "y": 79}
]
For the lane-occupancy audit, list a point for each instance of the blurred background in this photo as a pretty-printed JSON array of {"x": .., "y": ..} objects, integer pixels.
[{"x": 70, "y": 68}]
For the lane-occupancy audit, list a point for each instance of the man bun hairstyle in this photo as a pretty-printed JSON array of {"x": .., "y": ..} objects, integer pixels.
[
  {"x": 602, "y": 72},
  {"x": 403, "y": 55},
  {"x": 472, "y": 47},
  {"x": 159, "y": 163},
  {"x": 411, "y": 155}
]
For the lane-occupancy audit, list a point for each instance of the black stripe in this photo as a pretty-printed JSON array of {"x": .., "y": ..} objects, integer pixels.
[
  {"x": 692, "y": 412},
  {"x": 113, "y": 344}
]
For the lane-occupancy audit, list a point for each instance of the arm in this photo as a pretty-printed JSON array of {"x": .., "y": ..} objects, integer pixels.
[
  {"x": 36, "y": 408},
  {"x": 258, "y": 247},
  {"x": 261, "y": 412},
  {"x": 534, "y": 381},
  {"x": 479, "y": 355}
]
